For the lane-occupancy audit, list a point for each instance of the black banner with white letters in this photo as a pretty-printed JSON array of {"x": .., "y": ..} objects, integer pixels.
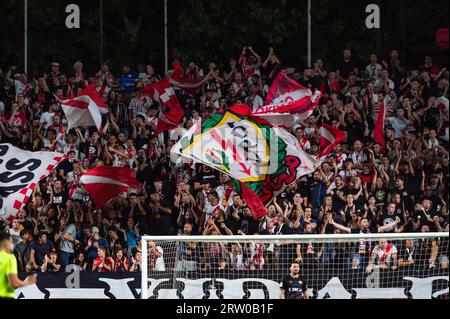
[{"x": 326, "y": 284}]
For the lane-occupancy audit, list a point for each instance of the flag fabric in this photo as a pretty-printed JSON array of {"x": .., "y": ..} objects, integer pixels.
[
  {"x": 288, "y": 96},
  {"x": 330, "y": 137},
  {"x": 171, "y": 113},
  {"x": 378, "y": 132},
  {"x": 260, "y": 160},
  {"x": 106, "y": 182},
  {"x": 177, "y": 78},
  {"x": 103, "y": 88},
  {"x": 86, "y": 109},
  {"x": 20, "y": 172}
]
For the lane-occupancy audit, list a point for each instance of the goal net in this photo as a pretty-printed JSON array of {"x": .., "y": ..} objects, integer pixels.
[{"x": 351, "y": 266}]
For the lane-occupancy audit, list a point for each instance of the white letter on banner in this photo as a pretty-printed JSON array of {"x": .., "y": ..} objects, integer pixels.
[
  {"x": 73, "y": 19},
  {"x": 422, "y": 288},
  {"x": 373, "y": 19}
]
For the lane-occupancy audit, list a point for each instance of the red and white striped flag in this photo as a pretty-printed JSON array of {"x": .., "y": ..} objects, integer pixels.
[
  {"x": 177, "y": 78},
  {"x": 286, "y": 96},
  {"x": 171, "y": 113},
  {"x": 86, "y": 109},
  {"x": 106, "y": 182},
  {"x": 330, "y": 137}
]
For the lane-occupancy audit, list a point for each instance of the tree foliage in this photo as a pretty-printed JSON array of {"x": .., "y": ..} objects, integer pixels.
[{"x": 205, "y": 30}]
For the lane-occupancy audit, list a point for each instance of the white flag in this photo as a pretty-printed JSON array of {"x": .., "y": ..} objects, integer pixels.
[{"x": 20, "y": 171}]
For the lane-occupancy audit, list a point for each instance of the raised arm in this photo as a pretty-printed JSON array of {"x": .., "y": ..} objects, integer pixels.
[{"x": 340, "y": 227}]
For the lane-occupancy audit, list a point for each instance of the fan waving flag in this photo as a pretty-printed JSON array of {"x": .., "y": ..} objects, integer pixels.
[
  {"x": 378, "y": 132},
  {"x": 20, "y": 172},
  {"x": 286, "y": 96},
  {"x": 86, "y": 109},
  {"x": 177, "y": 78},
  {"x": 260, "y": 159},
  {"x": 330, "y": 137},
  {"x": 171, "y": 113},
  {"x": 106, "y": 182}
]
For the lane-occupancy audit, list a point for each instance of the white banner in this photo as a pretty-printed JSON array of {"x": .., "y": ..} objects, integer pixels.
[{"x": 20, "y": 171}]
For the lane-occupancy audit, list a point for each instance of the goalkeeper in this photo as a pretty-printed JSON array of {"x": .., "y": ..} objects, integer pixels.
[{"x": 9, "y": 281}]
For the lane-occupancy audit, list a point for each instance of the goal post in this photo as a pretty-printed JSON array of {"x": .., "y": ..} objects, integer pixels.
[{"x": 375, "y": 266}]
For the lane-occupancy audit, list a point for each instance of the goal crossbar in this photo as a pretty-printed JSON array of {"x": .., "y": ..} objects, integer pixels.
[
  {"x": 315, "y": 237},
  {"x": 322, "y": 238}
]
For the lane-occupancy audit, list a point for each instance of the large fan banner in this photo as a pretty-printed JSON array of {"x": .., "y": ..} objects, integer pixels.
[
  {"x": 264, "y": 159},
  {"x": 20, "y": 171}
]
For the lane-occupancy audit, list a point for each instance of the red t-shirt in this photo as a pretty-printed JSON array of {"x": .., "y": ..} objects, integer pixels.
[{"x": 100, "y": 268}]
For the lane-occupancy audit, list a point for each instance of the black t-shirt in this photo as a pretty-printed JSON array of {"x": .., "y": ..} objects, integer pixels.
[
  {"x": 141, "y": 137},
  {"x": 92, "y": 151},
  {"x": 387, "y": 219},
  {"x": 405, "y": 197},
  {"x": 338, "y": 203},
  {"x": 293, "y": 287},
  {"x": 355, "y": 131},
  {"x": 422, "y": 217},
  {"x": 41, "y": 250},
  {"x": 433, "y": 198},
  {"x": 207, "y": 177},
  {"x": 407, "y": 253},
  {"x": 66, "y": 166},
  {"x": 363, "y": 246},
  {"x": 345, "y": 68},
  {"x": 144, "y": 174},
  {"x": 60, "y": 198},
  {"x": 412, "y": 183},
  {"x": 227, "y": 223},
  {"x": 306, "y": 83},
  {"x": 248, "y": 226}
]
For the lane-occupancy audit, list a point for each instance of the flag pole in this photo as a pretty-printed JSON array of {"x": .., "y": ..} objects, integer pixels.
[
  {"x": 166, "y": 49},
  {"x": 309, "y": 33},
  {"x": 25, "y": 33}
]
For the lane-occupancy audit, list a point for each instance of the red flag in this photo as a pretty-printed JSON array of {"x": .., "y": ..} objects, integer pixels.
[
  {"x": 86, "y": 109},
  {"x": 253, "y": 201},
  {"x": 171, "y": 113},
  {"x": 106, "y": 182},
  {"x": 378, "y": 132},
  {"x": 103, "y": 87},
  {"x": 329, "y": 138},
  {"x": 286, "y": 96},
  {"x": 178, "y": 78}
]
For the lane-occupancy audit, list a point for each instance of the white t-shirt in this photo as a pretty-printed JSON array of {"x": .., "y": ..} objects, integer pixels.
[
  {"x": 159, "y": 263},
  {"x": 20, "y": 87},
  {"x": 209, "y": 209},
  {"x": 384, "y": 255},
  {"x": 379, "y": 84},
  {"x": 255, "y": 102},
  {"x": 47, "y": 117}
]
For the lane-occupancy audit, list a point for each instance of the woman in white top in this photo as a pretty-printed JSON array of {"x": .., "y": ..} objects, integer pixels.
[{"x": 432, "y": 141}]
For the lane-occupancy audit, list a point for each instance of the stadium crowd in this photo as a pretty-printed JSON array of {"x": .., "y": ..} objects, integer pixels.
[{"x": 358, "y": 189}]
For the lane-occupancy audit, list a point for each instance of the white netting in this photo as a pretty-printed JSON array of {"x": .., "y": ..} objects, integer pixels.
[{"x": 346, "y": 266}]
